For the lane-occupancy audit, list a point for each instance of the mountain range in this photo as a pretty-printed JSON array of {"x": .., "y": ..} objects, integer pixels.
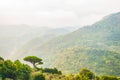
[
  {"x": 96, "y": 46},
  {"x": 13, "y": 37}
]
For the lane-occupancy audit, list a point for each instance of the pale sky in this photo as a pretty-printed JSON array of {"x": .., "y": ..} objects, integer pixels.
[{"x": 55, "y": 13}]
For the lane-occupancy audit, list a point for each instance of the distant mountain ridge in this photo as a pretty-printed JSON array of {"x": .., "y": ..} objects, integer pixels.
[
  {"x": 103, "y": 36},
  {"x": 12, "y": 37},
  {"x": 96, "y": 47},
  {"x": 100, "y": 33}
]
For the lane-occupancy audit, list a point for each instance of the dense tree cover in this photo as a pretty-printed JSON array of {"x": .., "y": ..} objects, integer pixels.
[
  {"x": 23, "y": 70},
  {"x": 102, "y": 62},
  {"x": 19, "y": 71},
  {"x": 53, "y": 71},
  {"x": 104, "y": 36},
  {"x": 84, "y": 73},
  {"x": 15, "y": 70},
  {"x": 9, "y": 70}
]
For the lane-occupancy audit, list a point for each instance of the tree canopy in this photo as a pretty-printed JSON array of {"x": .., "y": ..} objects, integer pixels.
[
  {"x": 15, "y": 70},
  {"x": 34, "y": 60}
]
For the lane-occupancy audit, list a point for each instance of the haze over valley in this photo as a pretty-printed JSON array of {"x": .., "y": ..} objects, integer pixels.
[{"x": 61, "y": 40}]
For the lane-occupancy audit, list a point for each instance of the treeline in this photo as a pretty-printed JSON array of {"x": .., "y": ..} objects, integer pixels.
[
  {"x": 101, "y": 61},
  {"x": 19, "y": 71}
]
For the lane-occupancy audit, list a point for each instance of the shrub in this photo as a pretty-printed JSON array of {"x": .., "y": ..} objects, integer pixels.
[
  {"x": 38, "y": 76},
  {"x": 108, "y": 78}
]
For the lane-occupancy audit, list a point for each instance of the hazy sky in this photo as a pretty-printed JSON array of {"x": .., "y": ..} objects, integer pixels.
[{"x": 55, "y": 13}]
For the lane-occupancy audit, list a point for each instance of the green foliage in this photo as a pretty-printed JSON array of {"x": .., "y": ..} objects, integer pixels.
[
  {"x": 108, "y": 78},
  {"x": 70, "y": 77},
  {"x": 103, "y": 37},
  {"x": 19, "y": 71},
  {"x": 53, "y": 71},
  {"x": 1, "y": 64},
  {"x": 9, "y": 70},
  {"x": 15, "y": 70},
  {"x": 49, "y": 76},
  {"x": 100, "y": 61},
  {"x": 23, "y": 70},
  {"x": 86, "y": 74},
  {"x": 34, "y": 60},
  {"x": 37, "y": 76},
  {"x": 77, "y": 77}
]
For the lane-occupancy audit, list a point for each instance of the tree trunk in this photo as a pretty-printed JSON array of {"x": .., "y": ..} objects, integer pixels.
[{"x": 34, "y": 65}]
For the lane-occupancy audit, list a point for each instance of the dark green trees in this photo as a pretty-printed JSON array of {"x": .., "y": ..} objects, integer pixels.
[
  {"x": 85, "y": 74},
  {"x": 23, "y": 70},
  {"x": 9, "y": 70},
  {"x": 39, "y": 76},
  {"x": 15, "y": 70},
  {"x": 52, "y": 70},
  {"x": 34, "y": 60}
]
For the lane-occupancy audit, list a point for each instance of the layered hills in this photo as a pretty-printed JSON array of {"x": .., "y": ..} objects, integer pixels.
[{"x": 96, "y": 46}]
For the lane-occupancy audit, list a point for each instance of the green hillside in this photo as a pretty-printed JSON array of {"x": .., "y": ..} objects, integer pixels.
[
  {"x": 16, "y": 70},
  {"x": 103, "y": 34},
  {"x": 94, "y": 46},
  {"x": 102, "y": 62},
  {"x": 102, "y": 41}
]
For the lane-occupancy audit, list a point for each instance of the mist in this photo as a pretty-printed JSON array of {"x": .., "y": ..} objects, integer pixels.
[{"x": 55, "y": 13}]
